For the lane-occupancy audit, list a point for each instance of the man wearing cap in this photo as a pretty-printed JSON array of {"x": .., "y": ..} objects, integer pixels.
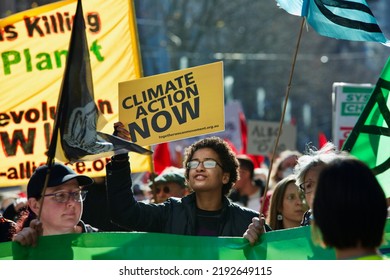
[
  {"x": 62, "y": 203},
  {"x": 246, "y": 192},
  {"x": 170, "y": 183}
]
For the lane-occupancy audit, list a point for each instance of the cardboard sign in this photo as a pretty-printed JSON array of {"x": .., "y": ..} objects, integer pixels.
[
  {"x": 349, "y": 101},
  {"x": 262, "y": 136},
  {"x": 174, "y": 105},
  {"x": 231, "y": 133}
]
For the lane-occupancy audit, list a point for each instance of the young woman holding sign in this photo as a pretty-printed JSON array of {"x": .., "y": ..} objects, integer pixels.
[{"x": 211, "y": 169}]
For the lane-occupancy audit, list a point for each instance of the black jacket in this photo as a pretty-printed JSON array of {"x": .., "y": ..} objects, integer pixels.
[
  {"x": 7, "y": 229},
  {"x": 176, "y": 216}
]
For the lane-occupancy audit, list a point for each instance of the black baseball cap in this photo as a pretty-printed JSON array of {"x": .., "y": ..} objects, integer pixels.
[{"x": 59, "y": 175}]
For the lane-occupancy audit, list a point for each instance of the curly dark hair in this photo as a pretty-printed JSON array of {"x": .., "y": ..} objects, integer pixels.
[{"x": 225, "y": 153}]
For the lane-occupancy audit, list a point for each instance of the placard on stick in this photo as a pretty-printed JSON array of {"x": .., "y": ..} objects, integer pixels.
[
  {"x": 174, "y": 105},
  {"x": 262, "y": 137}
]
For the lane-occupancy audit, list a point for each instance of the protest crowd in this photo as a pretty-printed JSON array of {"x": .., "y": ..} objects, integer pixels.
[
  {"x": 199, "y": 199},
  {"x": 213, "y": 189}
]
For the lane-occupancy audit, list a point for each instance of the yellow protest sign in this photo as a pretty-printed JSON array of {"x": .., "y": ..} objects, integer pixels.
[
  {"x": 174, "y": 105},
  {"x": 33, "y": 50}
]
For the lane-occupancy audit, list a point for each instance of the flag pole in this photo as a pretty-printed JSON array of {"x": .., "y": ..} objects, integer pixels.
[
  {"x": 283, "y": 114},
  {"x": 51, "y": 152},
  {"x": 50, "y": 160},
  {"x": 57, "y": 121}
]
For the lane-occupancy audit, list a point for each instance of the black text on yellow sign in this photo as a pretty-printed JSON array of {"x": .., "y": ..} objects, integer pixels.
[{"x": 172, "y": 106}]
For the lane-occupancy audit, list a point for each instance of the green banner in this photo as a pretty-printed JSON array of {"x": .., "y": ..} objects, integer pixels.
[{"x": 291, "y": 244}]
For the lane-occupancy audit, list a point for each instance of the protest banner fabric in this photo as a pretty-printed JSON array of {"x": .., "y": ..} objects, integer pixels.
[
  {"x": 76, "y": 123},
  {"x": 369, "y": 140},
  {"x": 289, "y": 244},
  {"x": 175, "y": 105},
  {"x": 348, "y": 20},
  {"x": 33, "y": 53}
]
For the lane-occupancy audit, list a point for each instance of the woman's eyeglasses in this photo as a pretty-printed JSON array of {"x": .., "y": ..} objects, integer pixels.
[
  {"x": 307, "y": 187},
  {"x": 63, "y": 197},
  {"x": 208, "y": 163}
]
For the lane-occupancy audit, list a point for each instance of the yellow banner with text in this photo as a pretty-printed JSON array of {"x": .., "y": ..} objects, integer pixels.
[{"x": 33, "y": 51}]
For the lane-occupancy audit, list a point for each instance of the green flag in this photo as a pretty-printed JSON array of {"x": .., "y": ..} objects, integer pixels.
[{"x": 369, "y": 140}]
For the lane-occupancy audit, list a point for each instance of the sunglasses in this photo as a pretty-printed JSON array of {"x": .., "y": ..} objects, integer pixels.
[{"x": 165, "y": 190}]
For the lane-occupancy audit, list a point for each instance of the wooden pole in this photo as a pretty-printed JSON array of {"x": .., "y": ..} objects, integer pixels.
[{"x": 283, "y": 114}]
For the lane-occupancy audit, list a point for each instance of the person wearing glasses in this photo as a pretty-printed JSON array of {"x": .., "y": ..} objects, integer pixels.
[
  {"x": 306, "y": 170},
  {"x": 211, "y": 169},
  {"x": 170, "y": 183},
  {"x": 62, "y": 204}
]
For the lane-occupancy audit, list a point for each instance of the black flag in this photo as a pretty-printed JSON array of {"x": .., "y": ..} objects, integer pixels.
[{"x": 77, "y": 114}]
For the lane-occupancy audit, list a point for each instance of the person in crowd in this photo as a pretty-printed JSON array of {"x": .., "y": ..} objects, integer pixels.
[
  {"x": 211, "y": 169},
  {"x": 16, "y": 209},
  {"x": 6, "y": 199},
  {"x": 170, "y": 183},
  {"x": 7, "y": 229},
  {"x": 283, "y": 166},
  {"x": 142, "y": 192},
  {"x": 245, "y": 191},
  {"x": 62, "y": 204},
  {"x": 260, "y": 176},
  {"x": 287, "y": 205},
  {"x": 306, "y": 170},
  {"x": 350, "y": 210}
]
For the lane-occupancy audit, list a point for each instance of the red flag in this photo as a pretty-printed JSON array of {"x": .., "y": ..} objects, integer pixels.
[
  {"x": 322, "y": 139},
  {"x": 244, "y": 133},
  {"x": 257, "y": 159},
  {"x": 161, "y": 157}
]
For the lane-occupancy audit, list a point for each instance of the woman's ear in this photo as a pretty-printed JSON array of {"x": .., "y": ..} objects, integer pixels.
[
  {"x": 34, "y": 205},
  {"x": 225, "y": 178}
]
